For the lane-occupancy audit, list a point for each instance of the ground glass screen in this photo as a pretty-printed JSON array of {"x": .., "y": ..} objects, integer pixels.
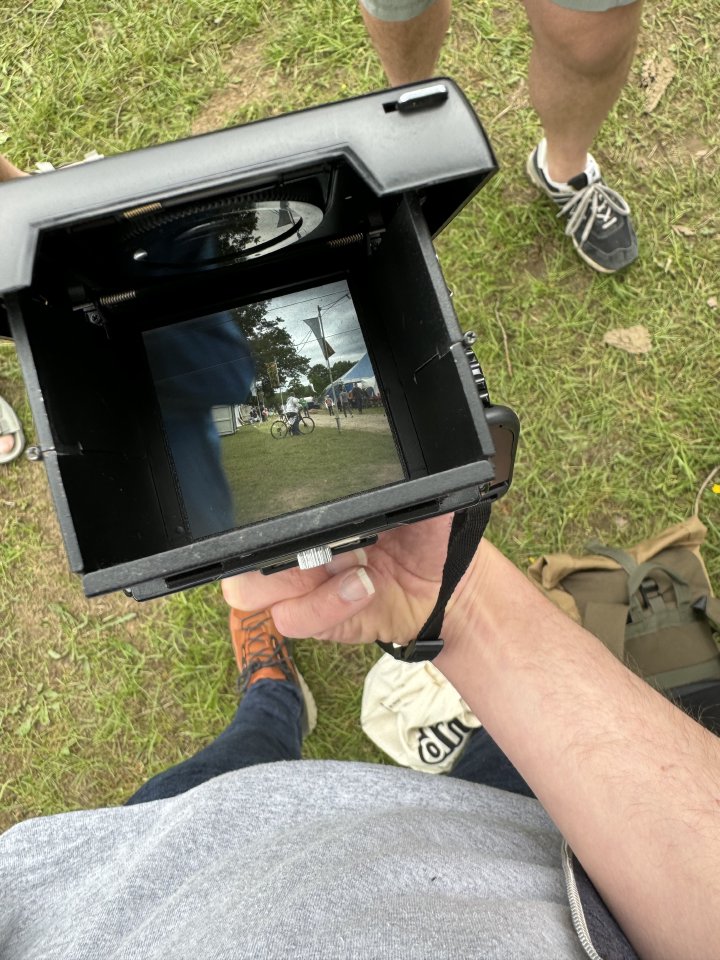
[{"x": 256, "y": 423}]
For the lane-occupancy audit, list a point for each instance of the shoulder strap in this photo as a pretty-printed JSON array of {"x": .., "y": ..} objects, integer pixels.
[
  {"x": 467, "y": 529},
  {"x": 607, "y": 621},
  {"x": 619, "y": 556}
]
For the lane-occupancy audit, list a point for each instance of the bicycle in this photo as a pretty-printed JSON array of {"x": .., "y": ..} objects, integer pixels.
[{"x": 280, "y": 428}]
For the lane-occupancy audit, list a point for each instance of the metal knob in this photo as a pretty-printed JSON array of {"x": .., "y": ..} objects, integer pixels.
[{"x": 314, "y": 557}]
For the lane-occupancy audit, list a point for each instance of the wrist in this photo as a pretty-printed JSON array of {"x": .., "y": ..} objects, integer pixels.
[
  {"x": 491, "y": 619},
  {"x": 469, "y": 610}
]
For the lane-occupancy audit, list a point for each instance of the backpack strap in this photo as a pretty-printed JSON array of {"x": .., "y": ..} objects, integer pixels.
[
  {"x": 608, "y": 621},
  {"x": 669, "y": 634},
  {"x": 619, "y": 556}
]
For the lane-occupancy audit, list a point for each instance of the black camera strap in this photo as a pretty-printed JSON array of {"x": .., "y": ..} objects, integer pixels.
[{"x": 467, "y": 529}]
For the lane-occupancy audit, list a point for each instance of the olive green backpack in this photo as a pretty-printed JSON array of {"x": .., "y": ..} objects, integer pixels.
[{"x": 651, "y": 605}]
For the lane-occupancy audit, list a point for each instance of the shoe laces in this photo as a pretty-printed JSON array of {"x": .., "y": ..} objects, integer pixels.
[
  {"x": 596, "y": 201},
  {"x": 260, "y": 663},
  {"x": 263, "y": 649}
]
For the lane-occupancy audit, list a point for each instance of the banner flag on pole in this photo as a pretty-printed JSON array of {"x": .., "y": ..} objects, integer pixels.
[{"x": 314, "y": 324}]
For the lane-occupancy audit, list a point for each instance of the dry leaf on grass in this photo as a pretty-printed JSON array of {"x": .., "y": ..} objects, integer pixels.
[
  {"x": 655, "y": 77},
  {"x": 683, "y": 231},
  {"x": 630, "y": 339}
]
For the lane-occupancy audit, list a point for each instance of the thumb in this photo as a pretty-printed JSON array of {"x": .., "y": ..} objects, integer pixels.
[{"x": 328, "y": 605}]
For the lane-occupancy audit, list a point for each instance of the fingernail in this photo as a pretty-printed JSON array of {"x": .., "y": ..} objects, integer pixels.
[
  {"x": 356, "y": 586},
  {"x": 344, "y": 560}
]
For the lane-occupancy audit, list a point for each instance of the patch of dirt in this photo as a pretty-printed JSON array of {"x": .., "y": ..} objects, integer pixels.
[
  {"x": 661, "y": 61},
  {"x": 469, "y": 70},
  {"x": 365, "y": 423},
  {"x": 270, "y": 91},
  {"x": 535, "y": 264},
  {"x": 656, "y": 75},
  {"x": 689, "y": 149},
  {"x": 630, "y": 339},
  {"x": 250, "y": 80},
  {"x": 694, "y": 147}
]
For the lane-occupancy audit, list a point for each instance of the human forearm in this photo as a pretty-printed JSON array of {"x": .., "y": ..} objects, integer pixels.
[{"x": 632, "y": 783}]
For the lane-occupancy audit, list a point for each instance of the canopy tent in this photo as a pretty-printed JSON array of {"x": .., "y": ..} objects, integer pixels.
[
  {"x": 361, "y": 371},
  {"x": 362, "y": 374}
]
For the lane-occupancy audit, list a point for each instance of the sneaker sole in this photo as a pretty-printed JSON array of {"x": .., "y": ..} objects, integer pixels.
[
  {"x": 10, "y": 427},
  {"x": 537, "y": 182},
  {"x": 309, "y": 720}
]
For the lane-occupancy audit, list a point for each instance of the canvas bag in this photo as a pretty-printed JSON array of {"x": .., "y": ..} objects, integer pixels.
[
  {"x": 415, "y": 715},
  {"x": 651, "y": 605}
]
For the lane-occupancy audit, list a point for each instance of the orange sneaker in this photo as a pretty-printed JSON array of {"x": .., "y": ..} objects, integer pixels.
[{"x": 262, "y": 653}]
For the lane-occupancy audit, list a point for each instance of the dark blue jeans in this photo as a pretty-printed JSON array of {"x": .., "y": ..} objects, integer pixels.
[{"x": 267, "y": 727}]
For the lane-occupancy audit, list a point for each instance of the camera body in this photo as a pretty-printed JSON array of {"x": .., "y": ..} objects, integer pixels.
[{"x": 147, "y": 290}]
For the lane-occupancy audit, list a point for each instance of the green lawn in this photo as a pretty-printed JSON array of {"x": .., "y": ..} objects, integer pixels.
[
  {"x": 97, "y": 695},
  {"x": 269, "y": 476}
]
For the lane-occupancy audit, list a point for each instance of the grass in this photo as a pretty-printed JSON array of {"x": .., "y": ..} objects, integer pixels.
[
  {"x": 98, "y": 695},
  {"x": 269, "y": 476}
]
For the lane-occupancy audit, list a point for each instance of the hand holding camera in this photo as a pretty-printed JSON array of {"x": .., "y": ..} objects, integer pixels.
[{"x": 384, "y": 592}]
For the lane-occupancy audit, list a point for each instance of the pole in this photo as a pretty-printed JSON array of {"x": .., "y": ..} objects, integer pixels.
[
  {"x": 277, "y": 377},
  {"x": 327, "y": 361}
]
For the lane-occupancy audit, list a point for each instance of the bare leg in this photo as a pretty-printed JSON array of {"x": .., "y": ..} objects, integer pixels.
[
  {"x": 9, "y": 171},
  {"x": 578, "y": 67},
  {"x": 408, "y": 49}
]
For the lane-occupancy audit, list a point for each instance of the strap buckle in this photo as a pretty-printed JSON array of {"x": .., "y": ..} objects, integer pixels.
[
  {"x": 652, "y": 599},
  {"x": 466, "y": 533},
  {"x": 415, "y": 651},
  {"x": 649, "y": 590}
]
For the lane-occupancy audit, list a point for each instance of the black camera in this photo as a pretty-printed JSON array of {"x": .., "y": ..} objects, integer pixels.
[{"x": 182, "y": 312}]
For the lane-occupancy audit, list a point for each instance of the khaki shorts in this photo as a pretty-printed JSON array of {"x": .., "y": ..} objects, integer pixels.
[{"x": 407, "y": 9}]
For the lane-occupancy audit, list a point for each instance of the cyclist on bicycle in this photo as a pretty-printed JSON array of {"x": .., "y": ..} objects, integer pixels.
[{"x": 292, "y": 410}]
